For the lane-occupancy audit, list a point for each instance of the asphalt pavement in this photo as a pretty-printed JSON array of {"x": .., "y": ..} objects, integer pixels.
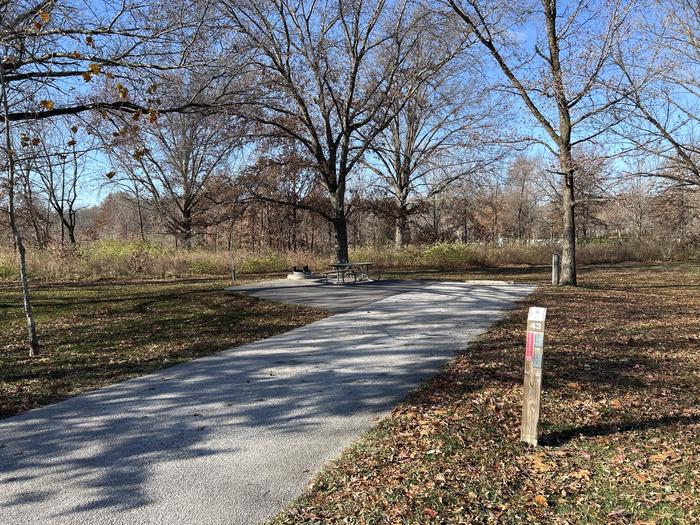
[{"x": 234, "y": 437}]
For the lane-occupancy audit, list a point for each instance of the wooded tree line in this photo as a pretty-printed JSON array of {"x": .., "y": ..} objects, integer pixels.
[
  {"x": 520, "y": 206},
  {"x": 299, "y": 124}
]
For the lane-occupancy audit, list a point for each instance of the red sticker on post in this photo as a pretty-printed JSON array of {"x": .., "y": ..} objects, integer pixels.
[{"x": 530, "y": 346}]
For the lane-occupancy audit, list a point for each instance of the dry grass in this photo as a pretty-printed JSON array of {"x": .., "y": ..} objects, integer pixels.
[
  {"x": 621, "y": 420},
  {"x": 109, "y": 260}
]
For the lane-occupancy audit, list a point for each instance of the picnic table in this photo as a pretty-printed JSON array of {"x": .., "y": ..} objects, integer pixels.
[{"x": 358, "y": 270}]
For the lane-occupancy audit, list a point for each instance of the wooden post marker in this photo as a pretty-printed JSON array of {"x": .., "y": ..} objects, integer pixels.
[
  {"x": 556, "y": 269},
  {"x": 534, "y": 347}
]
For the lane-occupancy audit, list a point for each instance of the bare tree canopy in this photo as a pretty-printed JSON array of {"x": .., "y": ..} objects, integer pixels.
[
  {"x": 174, "y": 161},
  {"x": 660, "y": 117},
  {"x": 331, "y": 77},
  {"x": 448, "y": 129},
  {"x": 561, "y": 73},
  {"x": 51, "y": 52},
  {"x": 311, "y": 125}
]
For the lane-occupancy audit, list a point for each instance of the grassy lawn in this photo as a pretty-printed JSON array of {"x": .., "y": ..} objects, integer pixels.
[
  {"x": 620, "y": 419},
  {"x": 97, "y": 334}
]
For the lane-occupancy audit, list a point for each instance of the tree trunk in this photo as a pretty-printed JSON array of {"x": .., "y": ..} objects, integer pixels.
[
  {"x": 295, "y": 226},
  {"x": 313, "y": 238},
  {"x": 186, "y": 230},
  {"x": 401, "y": 226},
  {"x": 436, "y": 223},
  {"x": 69, "y": 227},
  {"x": 29, "y": 197},
  {"x": 229, "y": 249},
  {"x": 568, "y": 236},
  {"x": 340, "y": 229},
  {"x": 138, "y": 207},
  {"x": 398, "y": 234},
  {"x": 33, "y": 339}
]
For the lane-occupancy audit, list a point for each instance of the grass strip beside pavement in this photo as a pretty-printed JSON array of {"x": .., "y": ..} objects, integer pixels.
[
  {"x": 95, "y": 334},
  {"x": 620, "y": 423}
]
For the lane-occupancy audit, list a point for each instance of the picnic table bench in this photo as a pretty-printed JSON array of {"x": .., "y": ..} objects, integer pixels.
[{"x": 359, "y": 271}]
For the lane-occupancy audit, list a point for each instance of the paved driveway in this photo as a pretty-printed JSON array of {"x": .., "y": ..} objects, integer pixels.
[
  {"x": 336, "y": 298},
  {"x": 233, "y": 437}
]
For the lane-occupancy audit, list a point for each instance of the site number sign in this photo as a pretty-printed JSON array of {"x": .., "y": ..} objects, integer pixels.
[{"x": 532, "y": 384}]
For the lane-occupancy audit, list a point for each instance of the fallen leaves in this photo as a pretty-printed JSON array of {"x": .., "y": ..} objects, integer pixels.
[
  {"x": 541, "y": 501},
  {"x": 666, "y": 455},
  {"x": 601, "y": 423},
  {"x": 583, "y": 474},
  {"x": 620, "y": 440},
  {"x": 538, "y": 463},
  {"x": 642, "y": 478}
]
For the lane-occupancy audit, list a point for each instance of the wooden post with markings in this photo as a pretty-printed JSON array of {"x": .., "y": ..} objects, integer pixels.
[{"x": 532, "y": 386}]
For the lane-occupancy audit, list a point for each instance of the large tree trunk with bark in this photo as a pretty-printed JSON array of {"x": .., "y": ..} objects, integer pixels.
[
  {"x": 186, "y": 232},
  {"x": 401, "y": 227},
  {"x": 398, "y": 234},
  {"x": 568, "y": 239},
  {"x": 340, "y": 227}
]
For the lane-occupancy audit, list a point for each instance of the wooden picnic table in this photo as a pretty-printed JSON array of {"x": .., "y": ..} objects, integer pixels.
[{"x": 342, "y": 269}]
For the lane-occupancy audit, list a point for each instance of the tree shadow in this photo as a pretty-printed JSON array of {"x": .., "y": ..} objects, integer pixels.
[
  {"x": 263, "y": 414},
  {"x": 561, "y": 437}
]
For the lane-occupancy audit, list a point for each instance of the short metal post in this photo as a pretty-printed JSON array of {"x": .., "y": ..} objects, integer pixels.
[{"x": 556, "y": 269}]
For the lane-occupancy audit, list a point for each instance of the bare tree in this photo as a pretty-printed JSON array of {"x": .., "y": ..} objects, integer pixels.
[
  {"x": 53, "y": 163},
  {"x": 172, "y": 160},
  {"x": 522, "y": 195},
  {"x": 10, "y": 156},
  {"x": 281, "y": 174},
  {"x": 50, "y": 53},
  {"x": 38, "y": 211},
  {"x": 442, "y": 133},
  {"x": 660, "y": 65},
  {"x": 637, "y": 199},
  {"x": 561, "y": 76},
  {"x": 329, "y": 76}
]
